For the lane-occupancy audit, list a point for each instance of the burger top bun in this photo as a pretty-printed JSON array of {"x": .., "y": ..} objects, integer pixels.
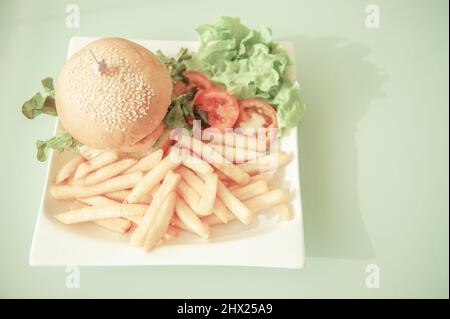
[{"x": 113, "y": 93}]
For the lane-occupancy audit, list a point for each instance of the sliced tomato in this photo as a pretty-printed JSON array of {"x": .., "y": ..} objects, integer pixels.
[
  {"x": 197, "y": 79},
  {"x": 179, "y": 88},
  {"x": 221, "y": 106},
  {"x": 254, "y": 113}
]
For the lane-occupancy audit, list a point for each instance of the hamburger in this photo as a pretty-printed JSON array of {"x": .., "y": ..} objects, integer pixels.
[{"x": 114, "y": 94}]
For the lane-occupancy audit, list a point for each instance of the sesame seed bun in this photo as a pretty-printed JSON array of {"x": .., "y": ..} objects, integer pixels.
[{"x": 117, "y": 102}]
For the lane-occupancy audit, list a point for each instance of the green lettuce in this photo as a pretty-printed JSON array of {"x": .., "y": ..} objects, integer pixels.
[
  {"x": 180, "y": 109},
  {"x": 175, "y": 65},
  {"x": 44, "y": 103},
  {"x": 41, "y": 103},
  {"x": 249, "y": 64},
  {"x": 61, "y": 142}
]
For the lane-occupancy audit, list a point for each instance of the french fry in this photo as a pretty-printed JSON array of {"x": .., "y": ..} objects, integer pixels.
[
  {"x": 176, "y": 222},
  {"x": 250, "y": 190},
  {"x": 69, "y": 169},
  {"x": 240, "y": 210},
  {"x": 100, "y": 212},
  {"x": 229, "y": 183},
  {"x": 213, "y": 220},
  {"x": 151, "y": 179},
  {"x": 196, "y": 164},
  {"x": 118, "y": 225},
  {"x": 118, "y": 196},
  {"x": 168, "y": 185},
  {"x": 98, "y": 201},
  {"x": 190, "y": 220},
  {"x": 267, "y": 163},
  {"x": 221, "y": 211},
  {"x": 192, "y": 179},
  {"x": 154, "y": 190},
  {"x": 267, "y": 177},
  {"x": 207, "y": 198},
  {"x": 76, "y": 204},
  {"x": 160, "y": 222},
  {"x": 117, "y": 183},
  {"x": 232, "y": 171},
  {"x": 171, "y": 232},
  {"x": 265, "y": 201},
  {"x": 189, "y": 195},
  {"x": 236, "y": 140},
  {"x": 197, "y": 183},
  {"x": 108, "y": 171},
  {"x": 135, "y": 219},
  {"x": 222, "y": 176},
  {"x": 148, "y": 162},
  {"x": 102, "y": 159},
  {"x": 88, "y": 152},
  {"x": 235, "y": 155},
  {"x": 283, "y": 211},
  {"x": 121, "y": 196}
]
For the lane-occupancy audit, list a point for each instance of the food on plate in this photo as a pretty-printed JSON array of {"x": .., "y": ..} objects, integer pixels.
[
  {"x": 164, "y": 145},
  {"x": 100, "y": 212},
  {"x": 151, "y": 179},
  {"x": 207, "y": 198},
  {"x": 121, "y": 103},
  {"x": 256, "y": 113},
  {"x": 250, "y": 190},
  {"x": 190, "y": 220},
  {"x": 283, "y": 211},
  {"x": 167, "y": 187},
  {"x": 102, "y": 159},
  {"x": 111, "y": 170},
  {"x": 68, "y": 170},
  {"x": 206, "y": 152},
  {"x": 160, "y": 221},
  {"x": 240, "y": 210},
  {"x": 221, "y": 108},
  {"x": 120, "y": 182},
  {"x": 148, "y": 162}
]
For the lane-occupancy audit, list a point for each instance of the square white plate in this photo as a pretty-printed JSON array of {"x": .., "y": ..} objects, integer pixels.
[{"x": 268, "y": 242}]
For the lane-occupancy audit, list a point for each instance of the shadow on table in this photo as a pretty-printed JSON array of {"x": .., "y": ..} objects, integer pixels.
[{"x": 338, "y": 85}]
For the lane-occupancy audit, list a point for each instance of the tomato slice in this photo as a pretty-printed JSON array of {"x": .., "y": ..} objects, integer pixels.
[
  {"x": 197, "y": 79},
  {"x": 221, "y": 106},
  {"x": 254, "y": 113},
  {"x": 179, "y": 88}
]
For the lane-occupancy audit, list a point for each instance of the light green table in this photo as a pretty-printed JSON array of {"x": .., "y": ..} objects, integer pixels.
[{"x": 374, "y": 146}]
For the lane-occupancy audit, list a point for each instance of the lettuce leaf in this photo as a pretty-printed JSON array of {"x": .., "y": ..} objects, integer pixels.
[
  {"x": 175, "y": 117},
  {"x": 290, "y": 108},
  {"x": 249, "y": 64},
  {"x": 41, "y": 103},
  {"x": 176, "y": 65},
  {"x": 180, "y": 109},
  {"x": 61, "y": 142}
]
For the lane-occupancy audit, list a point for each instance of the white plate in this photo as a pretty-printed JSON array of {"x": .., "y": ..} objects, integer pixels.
[{"x": 268, "y": 242}]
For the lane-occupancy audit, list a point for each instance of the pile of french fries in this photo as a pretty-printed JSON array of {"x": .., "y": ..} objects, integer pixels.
[{"x": 191, "y": 187}]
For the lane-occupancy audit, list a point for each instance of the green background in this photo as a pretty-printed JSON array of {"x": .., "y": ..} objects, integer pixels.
[{"x": 374, "y": 146}]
